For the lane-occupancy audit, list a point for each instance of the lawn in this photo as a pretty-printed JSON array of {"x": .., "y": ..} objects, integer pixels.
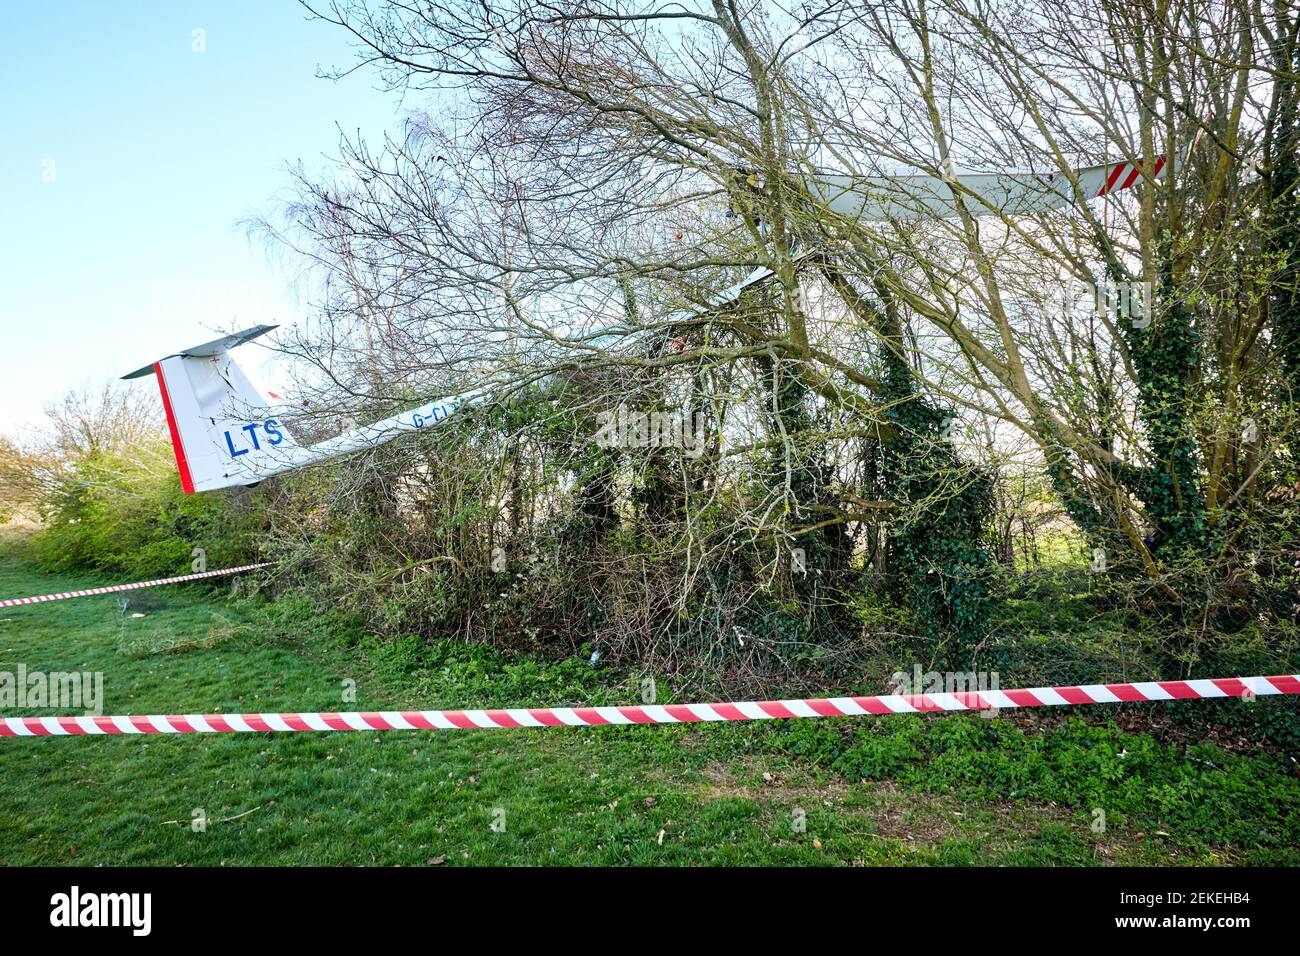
[{"x": 948, "y": 790}]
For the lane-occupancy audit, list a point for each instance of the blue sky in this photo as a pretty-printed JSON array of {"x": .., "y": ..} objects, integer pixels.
[{"x": 126, "y": 161}]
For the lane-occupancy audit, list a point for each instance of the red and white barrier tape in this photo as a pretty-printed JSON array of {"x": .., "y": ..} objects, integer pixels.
[
  {"x": 653, "y": 714},
  {"x": 15, "y": 602}
]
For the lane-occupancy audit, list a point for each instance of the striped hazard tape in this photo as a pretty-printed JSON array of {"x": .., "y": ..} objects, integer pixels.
[
  {"x": 89, "y": 592},
  {"x": 653, "y": 714}
]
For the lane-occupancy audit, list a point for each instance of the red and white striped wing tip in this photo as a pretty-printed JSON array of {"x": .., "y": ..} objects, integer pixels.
[
  {"x": 1126, "y": 175},
  {"x": 1203, "y": 689}
]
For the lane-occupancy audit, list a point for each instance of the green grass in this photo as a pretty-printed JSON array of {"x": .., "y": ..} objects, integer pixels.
[{"x": 955, "y": 790}]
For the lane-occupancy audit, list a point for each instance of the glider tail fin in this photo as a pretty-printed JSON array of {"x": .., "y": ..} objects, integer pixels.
[
  {"x": 222, "y": 429},
  {"x": 225, "y": 434}
]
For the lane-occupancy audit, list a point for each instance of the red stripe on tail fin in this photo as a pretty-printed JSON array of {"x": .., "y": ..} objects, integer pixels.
[{"x": 182, "y": 464}]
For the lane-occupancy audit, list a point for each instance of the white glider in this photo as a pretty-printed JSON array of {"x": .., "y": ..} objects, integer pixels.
[{"x": 225, "y": 434}]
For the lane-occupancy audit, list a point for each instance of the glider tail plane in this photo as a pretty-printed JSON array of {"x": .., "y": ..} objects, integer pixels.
[{"x": 224, "y": 432}]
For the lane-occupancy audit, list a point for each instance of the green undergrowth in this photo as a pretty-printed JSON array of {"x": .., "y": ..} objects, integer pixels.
[{"x": 950, "y": 790}]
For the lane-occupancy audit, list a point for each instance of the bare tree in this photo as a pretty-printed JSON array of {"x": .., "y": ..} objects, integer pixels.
[{"x": 602, "y": 206}]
